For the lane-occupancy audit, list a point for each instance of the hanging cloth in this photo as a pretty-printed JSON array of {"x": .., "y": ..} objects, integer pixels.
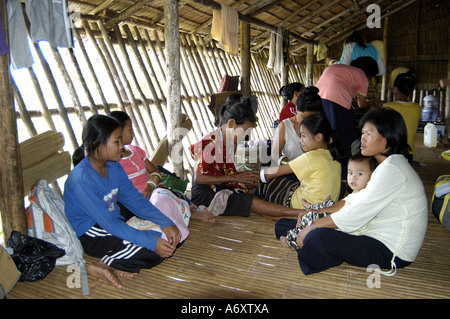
[
  {"x": 225, "y": 29},
  {"x": 271, "y": 61},
  {"x": 279, "y": 60},
  {"x": 18, "y": 41},
  {"x": 50, "y": 20}
]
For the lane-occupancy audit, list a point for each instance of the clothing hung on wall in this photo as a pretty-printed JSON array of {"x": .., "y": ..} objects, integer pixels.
[
  {"x": 225, "y": 29},
  {"x": 276, "y": 60},
  {"x": 49, "y": 21}
]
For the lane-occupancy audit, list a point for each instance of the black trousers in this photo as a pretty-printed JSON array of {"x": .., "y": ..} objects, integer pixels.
[
  {"x": 116, "y": 252},
  {"x": 324, "y": 248}
]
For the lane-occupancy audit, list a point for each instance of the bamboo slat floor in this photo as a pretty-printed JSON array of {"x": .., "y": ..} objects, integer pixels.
[{"x": 238, "y": 258}]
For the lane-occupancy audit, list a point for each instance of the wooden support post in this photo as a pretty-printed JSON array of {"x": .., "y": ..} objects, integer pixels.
[
  {"x": 284, "y": 82},
  {"x": 309, "y": 64},
  {"x": 245, "y": 58},
  {"x": 172, "y": 40},
  {"x": 384, "y": 56},
  {"x": 12, "y": 212},
  {"x": 447, "y": 94}
]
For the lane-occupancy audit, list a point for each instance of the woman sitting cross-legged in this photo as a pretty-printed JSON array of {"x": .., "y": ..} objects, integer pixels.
[
  {"x": 216, "y": 183},
  {"x": 387, "y": 224}
]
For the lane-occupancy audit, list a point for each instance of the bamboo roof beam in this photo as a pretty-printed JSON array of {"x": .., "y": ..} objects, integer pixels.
[
  {"x": 102, "y": 6},
  {"x": 216, "y": 6},
  {"x": 126, "y": 13}
]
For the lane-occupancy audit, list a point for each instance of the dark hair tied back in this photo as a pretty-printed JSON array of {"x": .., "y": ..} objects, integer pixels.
[
  {"x": 309, "y": 100},
  {"x": 405, "y": 82},
  {"x": 96, "y": 131},
  {"x": 241, "y": 111},
  {"x": 318, "y": 123}
]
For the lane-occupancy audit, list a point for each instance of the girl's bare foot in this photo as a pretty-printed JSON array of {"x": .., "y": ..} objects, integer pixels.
[
  {"x": 124, "y": 273},
  {"x": 283, "y": 242},
  {"x": 102, "y": 271},
  {"x": 203, "y": 216}
]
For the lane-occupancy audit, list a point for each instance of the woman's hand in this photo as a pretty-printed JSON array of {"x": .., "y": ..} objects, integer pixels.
[
  {"x": 163, "y": 248},
  {"x": 173, "y": 235},
  {"x": 148, "y": 190},
  {"x": 249, "y": 178},
  {"x": 301, "y": 235}
]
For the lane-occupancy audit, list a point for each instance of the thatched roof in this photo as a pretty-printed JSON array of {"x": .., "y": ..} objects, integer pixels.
[{"x": 319, "y": 21}]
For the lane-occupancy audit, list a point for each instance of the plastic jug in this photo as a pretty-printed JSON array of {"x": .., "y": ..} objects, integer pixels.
[{"x": 430, "y": 135}]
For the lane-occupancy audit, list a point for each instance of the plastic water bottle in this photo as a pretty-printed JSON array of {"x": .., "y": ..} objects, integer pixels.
[{"x": 430, "y": 135}]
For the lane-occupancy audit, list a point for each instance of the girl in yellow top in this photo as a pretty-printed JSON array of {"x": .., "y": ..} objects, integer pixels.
[
  {"x": 318, "y": 169},
  {"x": 403, "y": 87}
]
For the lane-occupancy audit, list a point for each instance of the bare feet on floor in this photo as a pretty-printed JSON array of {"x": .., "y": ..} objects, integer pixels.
[
  {"x": 203, "y": 216},
  {"x": 102, "y": 271}
]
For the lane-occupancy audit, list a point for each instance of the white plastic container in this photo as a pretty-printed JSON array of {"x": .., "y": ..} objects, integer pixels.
[{"x": 430, "y": 135}]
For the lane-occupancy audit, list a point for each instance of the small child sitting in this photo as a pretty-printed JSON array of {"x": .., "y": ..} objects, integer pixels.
[{"x": 359, "y": 170}]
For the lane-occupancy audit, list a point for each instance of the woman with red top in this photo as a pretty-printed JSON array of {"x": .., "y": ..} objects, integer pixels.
[
  {"x": 290, "y": 92},
  {"x": 216, "y": 183}
]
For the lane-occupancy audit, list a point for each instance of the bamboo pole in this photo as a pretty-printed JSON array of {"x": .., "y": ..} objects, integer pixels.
[
  {"x": 69, "y": 84},
  {"x": 132, "y": 80},
  {"x": 309, "y": 64},
  {"x": 137, "y": 57},
  {"x": 156, "y": 58},
  {"x": 24, "y": 114},
  {"x": 264, "y": 115},
  {"x": 212, "y": 61},
  {"x": 40, "y": 96},
  {"x": 172, "y": 40},
  {"x": 202, "y": 109},
  {"x": 119, "y": 100},
  {"x": 194, "y": 67},
  {"x": 91, "y": 71},
  {"x": 205, "y": 65},
  {"x": 56, "y": 94},
  {"x": 447, "y": 91},
  {"x": 12, "y": 211},
  {"x": 154, "y": 78},
  {"x": 200, "y": 66},
  {"x": 80, "y": 78},
  {"x": 90, "y": 35},
  {"x": 116, "y": 69},
  {"x": 384, "y": 57},
  {"x": 192, "y": 114}
]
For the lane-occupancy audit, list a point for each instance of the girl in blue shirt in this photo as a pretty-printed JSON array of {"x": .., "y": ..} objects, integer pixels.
[{"x": 98, "y": 200}]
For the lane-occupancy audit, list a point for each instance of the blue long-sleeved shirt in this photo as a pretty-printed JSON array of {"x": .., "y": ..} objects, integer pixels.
[{"x": 91, "y": 199}]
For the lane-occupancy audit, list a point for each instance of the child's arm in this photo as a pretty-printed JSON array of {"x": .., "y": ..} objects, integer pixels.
[
  {"x": 248, "y": 177},
  {"x": 149, "y": 188},
  {"x": 278, "y": 142},
  {"x": 276, "y": 171},
  {"x": 331, "y": 209}
]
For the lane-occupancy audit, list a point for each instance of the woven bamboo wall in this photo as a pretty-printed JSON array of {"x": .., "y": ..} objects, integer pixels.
[
  {"x": 418, "y": 40},
  {"x": 105, "y": 72}
]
